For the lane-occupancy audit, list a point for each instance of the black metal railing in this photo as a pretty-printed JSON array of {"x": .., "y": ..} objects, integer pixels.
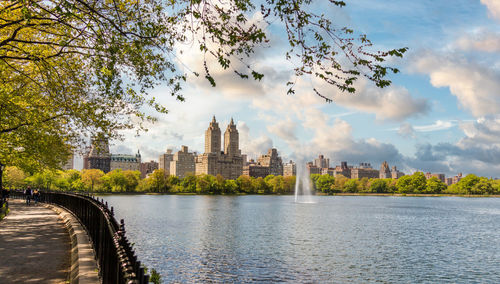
[{"x": 115, "y": 256}]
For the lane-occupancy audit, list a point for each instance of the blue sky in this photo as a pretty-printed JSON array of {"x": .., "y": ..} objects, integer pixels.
[{"x": 441, "y": 114}]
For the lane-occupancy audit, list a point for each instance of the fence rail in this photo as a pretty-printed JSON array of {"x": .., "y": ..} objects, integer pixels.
[{"x": 115, "y": 256}]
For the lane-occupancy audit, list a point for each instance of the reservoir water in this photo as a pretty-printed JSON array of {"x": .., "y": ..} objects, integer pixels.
[{"x": 351, "y": 239}]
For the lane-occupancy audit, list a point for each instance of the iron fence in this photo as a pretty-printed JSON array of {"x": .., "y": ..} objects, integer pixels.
[{"x": 115, "y": 256}]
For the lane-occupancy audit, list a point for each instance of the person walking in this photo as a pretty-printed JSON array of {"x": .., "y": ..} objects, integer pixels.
[
  {"x": 36, "y": 196},
  {"x": 27, "y": 194}
]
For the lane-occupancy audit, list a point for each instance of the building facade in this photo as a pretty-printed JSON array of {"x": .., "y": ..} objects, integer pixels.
[
  {"x": 182, "y": 163},
  {"x": 228, "y": 163},
  {"x": 385, "y": 172},
  {"x": 440, "y": 177},
  {"x": 126, "y": 162},
  {"x": 395, "y": 173},
  {"x": 343, "y": 169},
  {"x": 98, "y": 156},
  {"x": 321, "y": 162},
  {"x": 253, "y": 169},
  {"x": 148, "y": 167},
  {"x": 272, "y": 161},
  {"x": 364, "y": 171},
  {"x": 289, "y": 169},
  {"x": 312, "y": 169},
  {"x": 164, "y": 161}
]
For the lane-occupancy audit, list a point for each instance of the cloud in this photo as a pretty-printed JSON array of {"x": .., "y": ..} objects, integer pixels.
[
  {"x": 335, "y": 140},
  {"x": 284, "y": 129},
  {"x": 393, "y": 103},
  {"x": 477, "y": 88},
  {"x": 481, "y": 40},
  {"x": 253, "y": 147},
  {"x": 438, "y": 125},
  {"x": 493, "y": 8},
  {"x": 406, "y": 130}
]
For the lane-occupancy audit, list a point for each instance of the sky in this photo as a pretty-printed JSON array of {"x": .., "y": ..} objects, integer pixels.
[{"x": 441, "y": 114}]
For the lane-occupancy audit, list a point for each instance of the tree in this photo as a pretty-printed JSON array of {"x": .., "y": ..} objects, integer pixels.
[
  {"x": 73, "y": 67},
  {"x": 276, "y": 184},
  {"x": 467, "y": 183},
  {"x": 13, "y": 177},
  {"x": 340, "y": 181},
  {"x": 230, "y": 187},
  {"x": 260, "y": 186},
  {"x": 351, "y": 185},
  {"x": 188, "y": 183},
  {"x": 245, "y": 184},
  {"x": 404, "y": 184},
  {"x": 483, "y": 186},
  {"x": 418, "y": 182},
  {"x": 157, "y": 181},
  {"x": 131, "y": 180},
  {"x": 92, "y": 178},
  {"x": 379, "y": 186},
  {"x": 434, "y": 185},
  {"x": 289, "y": 184},
  {"x": 324, "y": 183}
]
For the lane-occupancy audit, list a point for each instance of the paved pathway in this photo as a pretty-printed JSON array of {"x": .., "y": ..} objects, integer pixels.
[{"x": 34, "y": 246}]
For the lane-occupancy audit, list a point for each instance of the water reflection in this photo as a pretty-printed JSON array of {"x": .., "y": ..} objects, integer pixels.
[{"x": 337, "y": 239}]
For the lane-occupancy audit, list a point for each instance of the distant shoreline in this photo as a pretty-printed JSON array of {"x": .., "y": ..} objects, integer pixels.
[{"x": 319, "y": 194}]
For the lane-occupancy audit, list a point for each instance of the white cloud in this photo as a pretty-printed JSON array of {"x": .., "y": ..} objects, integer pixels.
[
  {"x": 251, "y": 146},
  {"x": 477, "y": 88},
  {"x": 406, "y": 130},
  {"x": 438, "y": 125},
  {"x": 393, "y": 102},
  {"x": 493, "y": 7},
  {"x": 480, "y": 40}
]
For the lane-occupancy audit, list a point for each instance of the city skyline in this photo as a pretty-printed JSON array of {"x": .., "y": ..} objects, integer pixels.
[
  {"x": 224, "y": 157},
  {"x": 440, "y": 114}
]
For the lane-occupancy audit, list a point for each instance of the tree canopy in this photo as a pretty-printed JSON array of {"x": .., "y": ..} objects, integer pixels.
[{"x": 72, "y": 68}]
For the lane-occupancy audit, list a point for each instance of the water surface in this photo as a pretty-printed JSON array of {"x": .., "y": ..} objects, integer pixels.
[{"x": 338, "y": 239}]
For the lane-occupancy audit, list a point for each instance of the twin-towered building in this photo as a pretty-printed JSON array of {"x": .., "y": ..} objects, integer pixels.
[
  {"x": 221, "y": 159},
  {"x": 227, "y": 162}
]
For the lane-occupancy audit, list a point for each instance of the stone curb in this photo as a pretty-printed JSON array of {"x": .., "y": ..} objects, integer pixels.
[{"x": 83, "y": 264}]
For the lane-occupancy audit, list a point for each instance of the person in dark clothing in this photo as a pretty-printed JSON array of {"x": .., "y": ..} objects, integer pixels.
[{"x": 27, "y": 194}]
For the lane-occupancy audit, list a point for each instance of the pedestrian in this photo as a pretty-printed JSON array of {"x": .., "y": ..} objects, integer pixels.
[
  {"x": 36, "y": 196},
  {"x": 27, "y": 194}
]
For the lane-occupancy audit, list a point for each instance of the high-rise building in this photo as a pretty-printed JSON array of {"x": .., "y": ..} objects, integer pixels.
[
  {"x": 228, "y": 163},
  {"x": 212, "y": 137},
  {"x": 384, "y": 170},
  {"x": 272, "y": 161},
  {"x": 321, "y": 162},
  {"x": 289, "y": 169},
  {"x": 165, "y": 160},
  {"x": 182, "y": 163},
  {"x": 98, "y": 157}
]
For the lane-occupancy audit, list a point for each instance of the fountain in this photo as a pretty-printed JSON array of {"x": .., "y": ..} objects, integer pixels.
[{"x": 303, "y": 193}]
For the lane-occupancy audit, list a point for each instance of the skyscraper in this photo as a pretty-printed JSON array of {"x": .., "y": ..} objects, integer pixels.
[{"x": 228, "y": 163}]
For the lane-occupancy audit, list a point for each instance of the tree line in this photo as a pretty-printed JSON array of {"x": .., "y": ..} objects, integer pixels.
[{"x": 118, "y": 180}]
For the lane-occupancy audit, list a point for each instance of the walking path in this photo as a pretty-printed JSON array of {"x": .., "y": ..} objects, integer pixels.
[{"x": 34, "y": 245}]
